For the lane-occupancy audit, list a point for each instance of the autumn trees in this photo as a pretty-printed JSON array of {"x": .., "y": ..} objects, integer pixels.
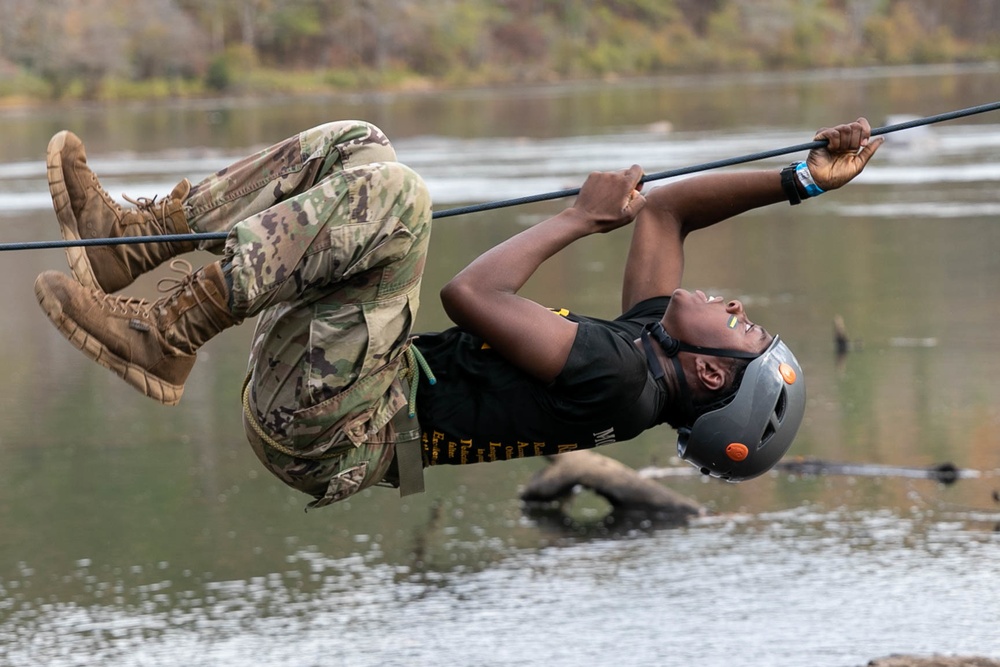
[{"x": 92, "y": 48}]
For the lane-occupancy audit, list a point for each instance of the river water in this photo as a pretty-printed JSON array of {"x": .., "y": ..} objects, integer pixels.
[{"x": 134, "y": 534}]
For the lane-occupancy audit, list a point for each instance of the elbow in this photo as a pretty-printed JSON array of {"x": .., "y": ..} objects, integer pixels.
[
  {"x": 663, "y": 225},
  {"x": 676, "y": 226},
  {"x": 457, "y": 296}
]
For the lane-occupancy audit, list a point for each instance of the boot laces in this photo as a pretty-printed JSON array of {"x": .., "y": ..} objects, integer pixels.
[
  {"x": 169, "y": 284},
  {"x": 154, "y": 208},
  {"x": 124, "y": 305},
  {"x": 173, "y": 287},
  {"x": 137, "y": 307}
]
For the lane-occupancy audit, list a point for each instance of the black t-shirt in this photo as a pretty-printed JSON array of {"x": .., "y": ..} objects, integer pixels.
[{"x": 484, "y": 409}]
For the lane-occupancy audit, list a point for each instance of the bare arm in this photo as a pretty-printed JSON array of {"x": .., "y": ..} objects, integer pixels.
[
  {"x": 655, "y": 261},
  {"x": 483, "y": 297}
]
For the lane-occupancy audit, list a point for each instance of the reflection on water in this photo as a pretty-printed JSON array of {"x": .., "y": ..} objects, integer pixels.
[
  {"x": 460, "y": 170},
  {"x": 807, "y": 586},
  {"x": 135, "y": 534}
]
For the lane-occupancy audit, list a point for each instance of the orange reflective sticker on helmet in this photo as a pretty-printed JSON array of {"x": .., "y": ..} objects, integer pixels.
[
  {"x": 737, "y": 451},
  {"x": 787, "y": 373}
]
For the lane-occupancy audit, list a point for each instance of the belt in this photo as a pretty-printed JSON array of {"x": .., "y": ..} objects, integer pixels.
[{"x": 409, "y": 459}]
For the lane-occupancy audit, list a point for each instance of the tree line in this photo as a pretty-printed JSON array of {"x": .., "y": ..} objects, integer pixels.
[{"x": 97, "y": 49}]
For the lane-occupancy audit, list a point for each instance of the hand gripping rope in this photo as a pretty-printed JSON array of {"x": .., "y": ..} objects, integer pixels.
[{"x": 558, "y": 194}]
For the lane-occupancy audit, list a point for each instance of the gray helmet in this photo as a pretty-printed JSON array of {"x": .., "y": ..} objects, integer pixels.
[{"x": 749, "y": 435}]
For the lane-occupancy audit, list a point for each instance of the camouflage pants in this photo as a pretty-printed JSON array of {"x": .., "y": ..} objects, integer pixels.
[{"x": 327, "y": 238}]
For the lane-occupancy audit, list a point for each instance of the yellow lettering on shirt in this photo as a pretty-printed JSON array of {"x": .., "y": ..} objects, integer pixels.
[
  {"x": 466, "y": 446},
  {"x": 562, "y": 449},
  {"x": 436, "y": 446}
]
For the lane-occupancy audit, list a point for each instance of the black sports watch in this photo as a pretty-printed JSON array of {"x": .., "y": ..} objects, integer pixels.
[{"x": 788, "y": 184}]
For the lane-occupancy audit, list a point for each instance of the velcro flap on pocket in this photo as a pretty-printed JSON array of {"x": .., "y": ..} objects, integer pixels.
[{"x": 343, "y": 484}]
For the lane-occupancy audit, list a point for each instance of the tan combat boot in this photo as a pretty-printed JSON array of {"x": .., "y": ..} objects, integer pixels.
[
  {"x": 151, "y": 345},
  {"x": 86, "y": 211}
]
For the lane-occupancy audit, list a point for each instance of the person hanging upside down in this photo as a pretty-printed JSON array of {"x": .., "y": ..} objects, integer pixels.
[{"x": 327, "y": 237}]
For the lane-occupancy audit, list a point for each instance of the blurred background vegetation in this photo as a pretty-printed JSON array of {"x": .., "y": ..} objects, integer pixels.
[{"x": 152, "y": 49}]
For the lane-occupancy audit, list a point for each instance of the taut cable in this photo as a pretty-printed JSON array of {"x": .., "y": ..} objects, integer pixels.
[{"x": 518, "y": 201}]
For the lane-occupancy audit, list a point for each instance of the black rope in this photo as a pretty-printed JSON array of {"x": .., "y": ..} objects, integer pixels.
[
  {"x": 518, "y": 201},
  {"x": 728, "y": 162}
]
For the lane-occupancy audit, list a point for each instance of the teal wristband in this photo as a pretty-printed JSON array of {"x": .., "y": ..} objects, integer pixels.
[{"x": 806, "y": 180}]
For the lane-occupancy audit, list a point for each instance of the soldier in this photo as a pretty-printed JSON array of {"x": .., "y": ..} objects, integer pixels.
[{"x": 327, "y": 239}]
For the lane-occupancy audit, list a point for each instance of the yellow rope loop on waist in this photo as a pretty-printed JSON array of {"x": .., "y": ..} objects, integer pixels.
[
  {"x": 267, "y": 439},
  {"x": 415, "y": 364}
]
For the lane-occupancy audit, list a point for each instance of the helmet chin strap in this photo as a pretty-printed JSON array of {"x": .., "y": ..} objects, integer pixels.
[{"x": 672, "y": 346}]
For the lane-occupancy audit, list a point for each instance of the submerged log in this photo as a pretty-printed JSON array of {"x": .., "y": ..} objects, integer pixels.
[
  {"x": 945, "y": 473},
  {"x": 933, "y": 661},
  {"x": 624, "y": 488},
  {"x": 841, "y": 340}
]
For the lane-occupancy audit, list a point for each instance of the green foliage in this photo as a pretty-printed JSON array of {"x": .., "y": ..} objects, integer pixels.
[
  {"x": 93, "y": 48},
  {"x": 160, "y": 88},
  {"x": 819, "y": 37},
  {"x": 229, "y": 70},
  {"x": 289, "y": 29},
  {"x": 899, "y": 37},
  {"x": 727, "y": 44},
  {"x": 18, "y": 84},
  {"x": 218, "y": 77}
]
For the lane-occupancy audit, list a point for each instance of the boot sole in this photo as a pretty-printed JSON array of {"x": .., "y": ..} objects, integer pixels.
[
  {"x": 137, "y": 377},
  {"x": 79, "y": 262}
]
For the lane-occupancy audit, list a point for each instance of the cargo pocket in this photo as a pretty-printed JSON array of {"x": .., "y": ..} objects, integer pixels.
[
  {"x": 389, "y": 323},
  {"x": 349, "y": 419},
  {"x": 337, "y": 349},
  {"x": 343, "y": 484},
  {"x": 323, "y": 431}
]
